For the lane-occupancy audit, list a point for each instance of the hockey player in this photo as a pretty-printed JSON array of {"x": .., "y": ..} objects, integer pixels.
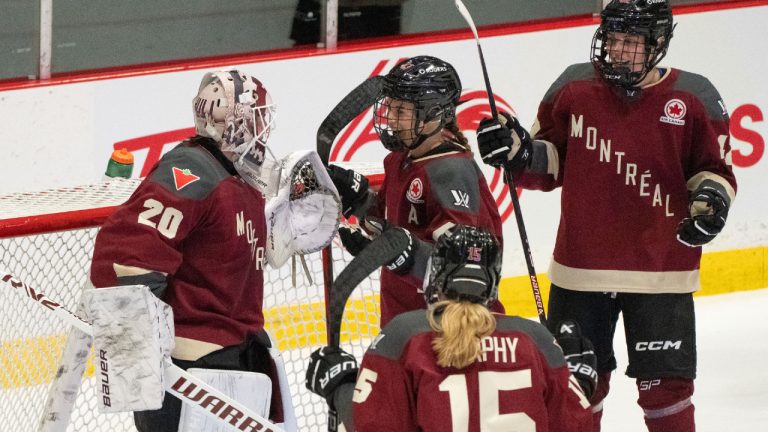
[
  {"x": 642, "y": 155},
  {"x": 431, "y": 181},
  {"x": 194, "y": 232},
  {"x": 457, "y": 366}
]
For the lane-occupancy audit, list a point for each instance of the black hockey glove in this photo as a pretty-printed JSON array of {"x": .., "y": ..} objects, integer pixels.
[
  {"x": 504, "y": 142},
  {"x": 708, "y": 208},
  {"x": 404, "y": 262},
  {"x": 579, "y": 354},
  {"x": 352, "y": 187},
  {"x": 354, "y": 240},
  {"x": 328, "y": 368}
]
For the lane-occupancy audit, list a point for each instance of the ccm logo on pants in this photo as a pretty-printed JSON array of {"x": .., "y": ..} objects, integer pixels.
[{"x": 657, "y": 345}]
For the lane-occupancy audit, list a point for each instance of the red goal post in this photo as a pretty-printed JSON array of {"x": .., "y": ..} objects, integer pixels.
[{"x": 46, "y": 240}]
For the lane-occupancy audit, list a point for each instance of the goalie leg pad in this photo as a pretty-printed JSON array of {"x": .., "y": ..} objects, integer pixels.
[
  {"x": 666, "y": 403},
  {"x": 132, "y": 336},
  {"x": 252, "y": 389}
]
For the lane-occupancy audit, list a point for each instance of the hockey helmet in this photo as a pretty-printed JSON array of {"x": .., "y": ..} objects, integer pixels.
[
  {"x": 432, "y": 89},
  {"x": 465, "y": 265},
  {"x": 236, "y": 110},
  {"x": 651, "y": 20}
]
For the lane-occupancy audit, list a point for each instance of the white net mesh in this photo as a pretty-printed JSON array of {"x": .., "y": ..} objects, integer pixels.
[{"x": 44, "y": 243}]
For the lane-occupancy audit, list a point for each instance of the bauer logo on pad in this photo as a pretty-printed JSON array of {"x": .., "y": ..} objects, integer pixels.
[{"x": 183, "y": 177}]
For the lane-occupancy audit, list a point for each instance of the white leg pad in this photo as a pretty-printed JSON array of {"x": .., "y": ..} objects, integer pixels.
[
  {"x": 252, "y": 389},
  {"x": 132, "y": 335}
]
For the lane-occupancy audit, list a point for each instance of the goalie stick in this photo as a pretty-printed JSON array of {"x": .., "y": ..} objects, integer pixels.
[
  {"x": 178, "y": 382},
  {"x": 384, "y": 249},
  {"x": 512, "y": 190}
]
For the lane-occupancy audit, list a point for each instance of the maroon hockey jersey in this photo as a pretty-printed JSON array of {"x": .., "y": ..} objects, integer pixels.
[
  {"x": 428, "y": 196},
  {"x": 202, "y": 228},
  {"x": 626, "y": 167},
  {"x": 520, "y": 383}
]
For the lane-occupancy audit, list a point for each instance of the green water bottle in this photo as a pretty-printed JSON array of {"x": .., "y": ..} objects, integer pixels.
[{"x": 120, "y": 164}]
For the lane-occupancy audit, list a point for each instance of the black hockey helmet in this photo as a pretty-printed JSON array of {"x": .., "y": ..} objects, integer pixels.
[
  {"x": 650, "y": 19},
  {"x": 465, "y": 265},
  {"x": 431, "y": 85}
]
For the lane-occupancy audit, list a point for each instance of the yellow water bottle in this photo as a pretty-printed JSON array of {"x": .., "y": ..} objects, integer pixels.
[{"x": 120, "y": 164}]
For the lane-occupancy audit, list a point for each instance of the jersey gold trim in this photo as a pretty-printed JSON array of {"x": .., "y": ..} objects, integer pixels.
[{"x": 640, "y": 282}]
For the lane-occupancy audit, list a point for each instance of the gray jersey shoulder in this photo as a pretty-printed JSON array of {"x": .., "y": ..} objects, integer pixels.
[
  {"x": 704, "y": 91},
  {"x": 191, "y": 161},
  {"x": 574, "y": 72},
  {"x": 395, "y": 335},
  {"x": 454, "y": 183}
]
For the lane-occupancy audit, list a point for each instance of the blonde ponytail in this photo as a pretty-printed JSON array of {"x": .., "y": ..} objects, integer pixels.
[{"x": 460, "y": 328}]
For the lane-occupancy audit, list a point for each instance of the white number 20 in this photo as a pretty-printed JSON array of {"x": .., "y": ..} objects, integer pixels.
[
  {"x": 490, "y": 384},
  {"x": 170, "y": 218}
]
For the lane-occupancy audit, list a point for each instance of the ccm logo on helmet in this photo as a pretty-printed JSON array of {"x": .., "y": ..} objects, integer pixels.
[{"x": 658, "y": 345}]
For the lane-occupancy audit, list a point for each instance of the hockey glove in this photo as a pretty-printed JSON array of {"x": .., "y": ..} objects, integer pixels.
[
  {"x": 708, "y": 208},
  {"x": 404, "y": 262},
  {"x": 352, "y": 187},
  {"x": 328, "y": 368},
  {"x": 579, "y": 354},
  {"x": 353, "y": 240},
  {"x": 504, "y": 142}
]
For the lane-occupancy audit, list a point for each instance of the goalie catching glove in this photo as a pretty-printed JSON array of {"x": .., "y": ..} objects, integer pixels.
[
  {"x": 330, "y": 367},
  {"x": 504, "y": 142},
  {"x": 708, "y": 208},
  {"x": 579, "y": 355}
]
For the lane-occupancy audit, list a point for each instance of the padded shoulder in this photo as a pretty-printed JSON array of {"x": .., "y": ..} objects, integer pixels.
[
  {"x": 704, "y": 91},
  {"x": 575, "y": 72},
  {"x": 454, "y": 182},
  {"x": 543, "y": 339},
  {"x": 396, "y": 334},
  {"x": 189, "y": 171}
]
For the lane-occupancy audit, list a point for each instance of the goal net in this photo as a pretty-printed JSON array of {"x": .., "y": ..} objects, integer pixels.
[{"x": 46, "y": 241}]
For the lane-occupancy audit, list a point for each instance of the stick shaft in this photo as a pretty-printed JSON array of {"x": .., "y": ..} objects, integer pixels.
[{"x": 510, "y": 182}]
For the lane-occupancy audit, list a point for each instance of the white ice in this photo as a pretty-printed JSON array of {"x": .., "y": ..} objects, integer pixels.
[{"x": 731, "y": 391}]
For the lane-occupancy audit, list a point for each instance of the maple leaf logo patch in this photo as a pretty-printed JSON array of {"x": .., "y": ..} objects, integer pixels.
[
  {"x": 674, "y": 112},
  {"x": 183, "y": 177}
]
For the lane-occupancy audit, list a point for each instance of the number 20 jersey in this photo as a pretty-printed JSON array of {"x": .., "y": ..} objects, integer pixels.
[
  {"x": 520, "y": 383},
  {"x": 202, "y": 227}
]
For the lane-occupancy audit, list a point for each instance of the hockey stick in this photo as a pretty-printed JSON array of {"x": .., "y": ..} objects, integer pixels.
[
  {"x": 512, "y": 190},
  {"x": 384, "y": 249},
  {"x": 179, "y": 382},
  {"x": 354, "y": 103}
]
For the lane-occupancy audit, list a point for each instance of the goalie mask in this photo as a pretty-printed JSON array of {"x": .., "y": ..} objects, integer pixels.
[
  {"x": 464, "y": 265},
  {"x": 236, "y": 111},
  {"x": 632, "y": 39},
  {"x": 418, "y": 99}
]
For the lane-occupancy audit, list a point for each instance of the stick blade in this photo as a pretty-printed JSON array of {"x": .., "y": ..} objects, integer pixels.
[
  {"x": 384, "y": 249},
  {"x": 354, "y": 103}
]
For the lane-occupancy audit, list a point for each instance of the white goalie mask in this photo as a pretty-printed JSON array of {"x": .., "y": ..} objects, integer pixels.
[{"x": 236, "y": 111}]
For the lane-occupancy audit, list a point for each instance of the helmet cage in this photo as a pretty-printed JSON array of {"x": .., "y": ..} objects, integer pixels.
[
  {"x": 652, "y": 21},
  {"x": 464, "y": 265},
  {"x": 236, "y": 111}
]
